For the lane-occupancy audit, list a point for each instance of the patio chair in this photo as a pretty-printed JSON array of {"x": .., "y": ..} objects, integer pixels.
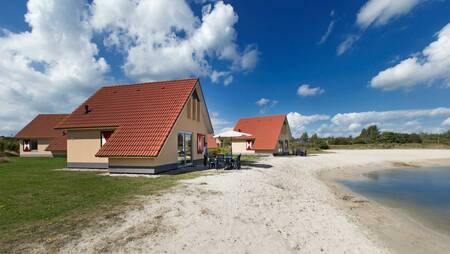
[
  {"x": 212, "y": 162},
  {"x": 228, "y": 161},
  {"x": 236, "y": 163},
  {"x": 220, "y": 161}
]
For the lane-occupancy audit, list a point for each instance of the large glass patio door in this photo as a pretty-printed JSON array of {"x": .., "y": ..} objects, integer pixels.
[{"x": 184, "y": 149}]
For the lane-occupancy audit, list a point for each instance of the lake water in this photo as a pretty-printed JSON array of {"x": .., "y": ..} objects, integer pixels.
[{"x": 423, "y": 193}]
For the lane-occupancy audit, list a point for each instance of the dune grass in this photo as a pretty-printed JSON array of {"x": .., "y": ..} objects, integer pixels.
[{"x": 41, "y": 205}]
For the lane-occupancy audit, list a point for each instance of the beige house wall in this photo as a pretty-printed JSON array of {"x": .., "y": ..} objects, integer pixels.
[
  {"x": 82, "y": 145},
  {"x": 239, "y": 146},
  {"x": 168, "y": 153},
  {"x": 40, "y": 152}
]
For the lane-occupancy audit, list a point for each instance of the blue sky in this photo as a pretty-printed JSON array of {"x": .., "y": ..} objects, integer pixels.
[{"x": 332, "y": 66}]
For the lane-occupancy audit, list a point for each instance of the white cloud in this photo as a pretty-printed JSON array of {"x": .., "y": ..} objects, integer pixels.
[
  {"x": 344, "y": 124},
  {"x": 446, "y": 122},
  {"x": 262, "y": 102},
  {"x": 380, "y": 12},
  {"x": 376, "y": 13},
  {"x": 164, "y": 39},
  {"x": 327, "y": 33},
  {"x": 298, "y": 122},
  {"x": 307, "y": 90},
  {"x": 49, "y": 68},
  {"x": 330, "y": 28},
  {"x": 220, "y": 124},
  {"x": 266, "y": 104},
  {"x": 432, "y": 64},
  {"x": 354, "y": 126},
  {"x": 56, "y": 64},
  {"x": 345, "y": 45}
]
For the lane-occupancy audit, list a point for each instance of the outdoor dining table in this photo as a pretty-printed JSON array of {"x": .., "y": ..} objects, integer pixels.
[{"x": 222, "y": 160}]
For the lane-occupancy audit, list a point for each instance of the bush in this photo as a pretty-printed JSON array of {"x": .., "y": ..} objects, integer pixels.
[
  {"x": 220, "y": 150},
  {"x": 324, "y": 146},
  {"x": 12, "y": 145},
  {"x": 9, "y": 144}
]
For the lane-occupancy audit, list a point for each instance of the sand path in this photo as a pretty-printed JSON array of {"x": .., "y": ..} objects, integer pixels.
[{"x": 279, "y": 205}]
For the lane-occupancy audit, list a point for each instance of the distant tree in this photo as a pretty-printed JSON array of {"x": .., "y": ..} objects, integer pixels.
[
  {"x": 373, "y": 133},
  {"x": 414, "y": 138},
  {"x": 388, "y": 137},
  {"x": 304, "y": 137},
  {"x": 314, "y": 139},
  {"x": 362, "y": 138},
  {"x": 341, "y": 141},
  {"x": 402, "y": 138}
]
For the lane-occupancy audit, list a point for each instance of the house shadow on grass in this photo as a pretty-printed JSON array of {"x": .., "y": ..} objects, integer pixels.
[{"x": 185, "y": 170}]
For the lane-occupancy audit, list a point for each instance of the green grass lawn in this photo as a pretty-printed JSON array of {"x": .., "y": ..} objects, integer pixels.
[{"x": 39, "y": 204}]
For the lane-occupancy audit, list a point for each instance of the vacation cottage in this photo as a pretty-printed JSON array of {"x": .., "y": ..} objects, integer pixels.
[
  {"x": 139, "y": 128},
  {"x": 269, "y": 135},
  {"x": 39, "y": 138}
]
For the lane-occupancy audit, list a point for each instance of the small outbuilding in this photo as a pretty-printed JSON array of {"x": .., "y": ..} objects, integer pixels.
[
  {"x": 39, "y": 138},
  {"x": 139, "y": 128},
  {"x": 269, "y": 135}
]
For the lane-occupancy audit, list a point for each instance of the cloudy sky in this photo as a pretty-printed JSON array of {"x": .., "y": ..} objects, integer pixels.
[{"x": 334, "y": 67}]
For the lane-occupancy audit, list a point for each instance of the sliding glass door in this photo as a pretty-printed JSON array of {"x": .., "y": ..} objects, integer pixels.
[{"x": 184, "y": 149}]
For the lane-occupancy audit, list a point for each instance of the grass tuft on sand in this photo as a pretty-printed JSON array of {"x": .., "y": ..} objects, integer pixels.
[{"x": 42, "y": 206}]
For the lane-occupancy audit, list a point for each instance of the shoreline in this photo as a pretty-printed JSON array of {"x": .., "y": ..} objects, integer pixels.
[
  {"x": 396, "y": 229},
  {"x": 278, "y": 205}
]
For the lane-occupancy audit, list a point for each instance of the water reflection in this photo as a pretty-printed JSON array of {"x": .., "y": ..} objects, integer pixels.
[{"x": 423, "y": 193}]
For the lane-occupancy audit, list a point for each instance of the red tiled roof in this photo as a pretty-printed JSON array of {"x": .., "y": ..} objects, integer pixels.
[
  {"x": 58, "y": 144},
  {"x": 212, "y": 143},
  {"x": 265, "y": 130},
  {"x": 143, "y": 115},
  {"x": 42, "y": 126}
]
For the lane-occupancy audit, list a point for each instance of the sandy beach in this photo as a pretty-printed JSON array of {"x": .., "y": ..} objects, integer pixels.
[{"x": 277, "y": 205}]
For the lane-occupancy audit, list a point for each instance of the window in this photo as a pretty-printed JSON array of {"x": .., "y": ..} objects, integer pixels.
[
  {"x": 105, "y": 135},
  {"x": 249, "y": 144},
  {"x": 280, "y": 146},
  {"x": 184, "y": 148},
  {"x": 189, "y": 108},
  {"x": 26, "y": 145},
  {"x": 195, "y": 106},
  {"x": 194, "y": 109},
  {"x": 30, "y": 145},
  {"x": 34, "y": 144},
  {"x": 198, "y": 111},
  {"x": 201, "y": 143}
]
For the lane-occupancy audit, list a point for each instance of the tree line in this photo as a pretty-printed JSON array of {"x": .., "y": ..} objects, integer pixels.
[{"x": 373, "y": 135}]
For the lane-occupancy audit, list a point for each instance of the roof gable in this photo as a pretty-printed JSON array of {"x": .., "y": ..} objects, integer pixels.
[
  {"x": 58, "y": 144},
  {"x": 143, "y": 115},
  {"x": 264, "y": 129},
  {"x": 42, "y": 126}
]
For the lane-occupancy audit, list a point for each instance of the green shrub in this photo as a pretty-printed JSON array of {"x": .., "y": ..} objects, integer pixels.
[
  {"x": 219, "y": 150},
  {"x": 12, "y": 145},
  {"x": 324, "y": 146}
]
